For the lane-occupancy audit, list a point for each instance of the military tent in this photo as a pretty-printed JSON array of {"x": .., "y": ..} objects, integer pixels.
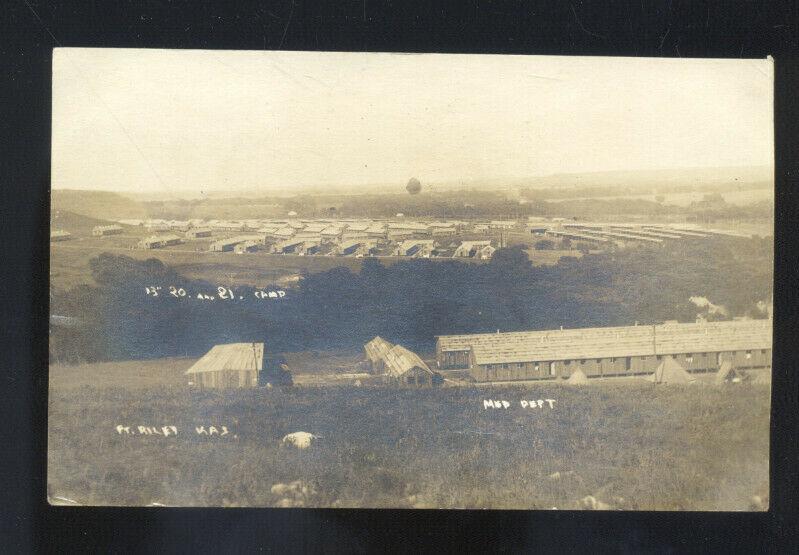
[
  {"x": 728, "y": 373},
  {"x": 577, "y": 378},
  {"x": 670, "y": 371}
]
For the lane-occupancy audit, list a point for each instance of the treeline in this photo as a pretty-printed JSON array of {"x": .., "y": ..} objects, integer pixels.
[
  {"x": 468, "y": 204},
  {"x": 545, "y": 193},
  {"x": 409, "y": 302},
  {"x": 457, "y": 204}
]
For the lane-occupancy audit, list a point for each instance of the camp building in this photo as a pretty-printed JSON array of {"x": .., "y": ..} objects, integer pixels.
[
  {"x": 198, "y": 232},
  {"x": 417, "y": 248},
  {"x": 474, "y": 249},
  {"x": 159, "y": 241},
  {"x": 375, "y": 350},
  {"x": 612, "y": 351},
  {"x": 104, "y": 230},
  {"x": 225, "y": 245},
  {"x": 229, "y": 366},
  {"x": 60, "y": 235},
  {"x": 398, "y": 365},
  {"x": 404, "y": 367}
]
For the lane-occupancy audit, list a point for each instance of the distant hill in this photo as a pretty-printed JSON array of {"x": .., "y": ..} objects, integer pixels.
[
  {"x": 77, "y": 224},
  {"x": 741, "y": 176},
  {"x": 103, "y": 205}
]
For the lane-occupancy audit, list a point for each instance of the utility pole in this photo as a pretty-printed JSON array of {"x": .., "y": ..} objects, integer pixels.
[{"x": 654, "y": 339}]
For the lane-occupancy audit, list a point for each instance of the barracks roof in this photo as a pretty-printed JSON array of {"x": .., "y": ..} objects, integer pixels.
[{"x": 612, "y": 342}]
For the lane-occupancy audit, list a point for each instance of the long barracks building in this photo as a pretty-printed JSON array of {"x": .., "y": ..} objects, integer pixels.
[{"x": 616, "y": 351}]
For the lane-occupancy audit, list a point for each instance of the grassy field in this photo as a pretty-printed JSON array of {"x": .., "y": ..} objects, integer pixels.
[{"x": 629, "y": 445}]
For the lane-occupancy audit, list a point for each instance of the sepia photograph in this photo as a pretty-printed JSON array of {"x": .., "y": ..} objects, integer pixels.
[{"x": 411, "y": 281}]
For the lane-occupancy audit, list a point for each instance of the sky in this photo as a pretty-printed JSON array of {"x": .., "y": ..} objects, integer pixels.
[{"x": 146, "y": 121}]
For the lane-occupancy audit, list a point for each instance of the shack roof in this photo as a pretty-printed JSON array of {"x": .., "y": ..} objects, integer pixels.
[
  {"x": 232, "y": 356},
  {"x": 413, "y": 242},
  {"x": 307, "y": 236},
  {"x": 377, "y": 348},
  {"x": 347, "y": 244},
  {"x": 306, "y": 241},
  {"x": 400, "y": 360},
  {"x": 472, "y": 244},
  {"x": 413, "y": 226},
  {"x": 629, "y": 235},
  {"x": 233, "y": 240},
  {"x": 576, "y": 235},
  {"x": 609, "y": 342},
  {"x": 284, "y": 232}
]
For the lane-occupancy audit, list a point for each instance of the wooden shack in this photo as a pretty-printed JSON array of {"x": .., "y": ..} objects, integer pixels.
[
  {"x": 404, "y": 367},
  {"x": 234, "y": 365},
  {"x": 375, "y": 350}
]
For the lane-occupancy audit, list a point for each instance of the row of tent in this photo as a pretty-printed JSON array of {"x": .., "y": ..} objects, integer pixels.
[{"x": 671, "y": 372}]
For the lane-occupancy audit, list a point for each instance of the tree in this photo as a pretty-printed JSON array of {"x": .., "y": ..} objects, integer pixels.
[{"x": 413, "y": 186}]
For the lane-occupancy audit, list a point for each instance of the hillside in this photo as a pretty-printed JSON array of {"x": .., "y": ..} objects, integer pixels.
[
  {"x": 96, "y": 204},
  {"x": 635, "y": 446},
  {"x": 77, "y": 224},
  {"x": 735, "y": 177}
]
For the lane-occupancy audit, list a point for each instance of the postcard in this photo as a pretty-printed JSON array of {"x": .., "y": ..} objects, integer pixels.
[{"x": 386, "y": 280}]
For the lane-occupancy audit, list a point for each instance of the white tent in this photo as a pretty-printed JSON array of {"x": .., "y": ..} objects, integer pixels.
[
  {"x": 577, "y": 378},
  {"x": 670, "y": 371},
  {"x": 728, "y": 373}
]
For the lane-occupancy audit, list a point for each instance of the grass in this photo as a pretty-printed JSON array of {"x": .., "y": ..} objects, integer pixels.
[{"x": 632, "y": 445}]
